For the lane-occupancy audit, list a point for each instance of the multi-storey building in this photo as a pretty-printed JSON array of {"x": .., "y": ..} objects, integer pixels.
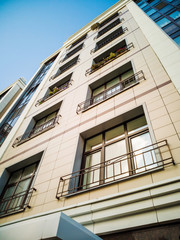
[
  {"x": 9, "y": 95},
  {"x": 99, "y": 142}
]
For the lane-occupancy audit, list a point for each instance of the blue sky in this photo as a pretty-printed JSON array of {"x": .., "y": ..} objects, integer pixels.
[{"x": 32, "y": 30}]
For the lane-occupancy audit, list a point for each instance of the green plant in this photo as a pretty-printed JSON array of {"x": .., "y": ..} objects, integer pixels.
[
  {"x": 55, "y": 89},
  {"x": 112, "y": 55},
  {"x": 51, "y": 93}
]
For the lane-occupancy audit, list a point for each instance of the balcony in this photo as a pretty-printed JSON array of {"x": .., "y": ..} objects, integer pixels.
[
  {"x": 109, "y": 39},
  {"x": 109, "y": 27},
  {"x": 110, "y": 92},
  {"x": 66, "y": 67},
  {"x": 153, "y": 157},
  {"x": 115, "y": 15},
  {"x": 15, "y": 203},
  {"x": 78, "y": 41},
  {"x": 112, "y": 56},
  {"x": 71, "y": 53},
  {"x": 36, "y": 131},
  {"x": 54, "y": 92}
]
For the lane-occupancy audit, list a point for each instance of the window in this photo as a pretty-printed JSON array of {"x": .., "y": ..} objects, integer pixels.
[
  {"x": 66, "y": 66},
  {"x": 109, "y": 38},
  {"x": 109, "y": 27},
  {"x": 163, "y": 22},
  {"x": 116, "y": 150},
  {"x": 44, "y": 123},
  {"x": 110, "y": 88},
  {"x": 151, "y": 11},
  {"x": 109, "y": 150},
  {"x": 175, "y": 15},
  {"x": 78, "y": 41},
  {"x": 108, "y": 20},
  {"x": 17, "y": 192},
  {"x": 56, "y": 88},
  {"x": 109, "y": 55},
  {"x": 71, "y": 53}
]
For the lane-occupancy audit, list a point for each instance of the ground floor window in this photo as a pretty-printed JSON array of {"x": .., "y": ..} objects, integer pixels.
[{"x": 17, "y": 191}]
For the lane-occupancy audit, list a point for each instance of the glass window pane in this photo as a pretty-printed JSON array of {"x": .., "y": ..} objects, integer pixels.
[
  {"x": 160, "y": 5},
  {"x": 28, "y": 171},
  {"x": 177, "y": 40},
  {"x": 118, "y": 166},
  {"x": 98, "y": 90},
  {"x": 23, "y": 186},
  {"x": 112, "y": 82},
  {"x": 92, "y": 174},
  {"x": 15, "y": 177},
  {"x": 144, "y": 158},
  {"x": 127, "y": 74},
  {"x": 40, "y": 122},
  {"x": 175, "y": 15},
  {"x": 114, "y": 134},
  {"x": 94, "y": 142},
  {"x": 166, "y": 9},
  {"x": 171, "y": 28},
  {"x": 163, "y": 22},
  {"x": 51, "y": 116},
  {"x": 9, "y": 192},
  {"x": 136, "y": 124},
  {"x": 150, "y": 12}
]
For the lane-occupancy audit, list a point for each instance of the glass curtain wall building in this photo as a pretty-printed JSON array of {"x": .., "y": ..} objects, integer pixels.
[
  {"x": 15, "y": 113},
  {"x": 166, "y": 14}
]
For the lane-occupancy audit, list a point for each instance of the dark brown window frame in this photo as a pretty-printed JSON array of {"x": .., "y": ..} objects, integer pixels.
[{"x": 24, "y": 196}]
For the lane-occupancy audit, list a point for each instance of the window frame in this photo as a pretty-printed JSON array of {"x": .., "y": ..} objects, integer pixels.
[
  {"x": 24, "y": 202},
  {"x": 127, "y": 137}
]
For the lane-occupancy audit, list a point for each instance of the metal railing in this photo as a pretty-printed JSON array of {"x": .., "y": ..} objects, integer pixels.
[
  {"x": 109, "y": 27},
  {"x": 71, "y": 53},
  {"x": 58, "y": 90},
  {"x": 109, "y": 39},
  {"x": 36, "y": 131},
  {"x": 15, "y": 203},
  {"x": 149, "y": 158},
  {"x": 108, "y": 20},
  {"x": 117, "y": 88},
  {"x": 106, "y": 60}
]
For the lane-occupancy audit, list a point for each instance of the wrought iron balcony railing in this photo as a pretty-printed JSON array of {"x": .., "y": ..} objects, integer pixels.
[
  {"x": 109, "y": 39},
  {"x": 144, "y": 160},
  {"x": 108, "y": 59},
  {"x": 54, "y": 92},
  {"x": 109, "y": 27},
  {"x": 108, "y": 20},
  {"x": 110, "y": 92},
  {"x": 71, "y": 53},
  {"x": 17, "y": 202},
  {"x": 36, "y": 131},
  {"x": 66, "y": 67}
]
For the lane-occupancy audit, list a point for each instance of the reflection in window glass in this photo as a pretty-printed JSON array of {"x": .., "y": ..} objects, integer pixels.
[
  {"x": 150, "y": 12},
  {"x": 93, "y": 142},
  {"x": 175, "y": 15},
  {"x": 177, "y": 40},
  {"x": 163, "y": 22},
  {"x": 136, "y": 124}
]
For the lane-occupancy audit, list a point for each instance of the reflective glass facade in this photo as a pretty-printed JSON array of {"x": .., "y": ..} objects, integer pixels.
[
  {"x": 166, "y": 13},
  {"x": 15, "y": 113}
]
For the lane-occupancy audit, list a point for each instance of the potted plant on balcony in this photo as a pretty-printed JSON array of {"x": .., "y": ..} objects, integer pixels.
[
  {"x": 112, "y": 55},
  {"x": 55, "y": 89},
  {"x": 50, "y": 93}
]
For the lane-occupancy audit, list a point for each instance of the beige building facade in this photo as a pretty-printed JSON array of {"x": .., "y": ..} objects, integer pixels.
[{"x": 100, "y": 140}]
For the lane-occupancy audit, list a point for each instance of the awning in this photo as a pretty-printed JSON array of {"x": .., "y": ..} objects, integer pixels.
[{"x": 52, "y": 226}]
